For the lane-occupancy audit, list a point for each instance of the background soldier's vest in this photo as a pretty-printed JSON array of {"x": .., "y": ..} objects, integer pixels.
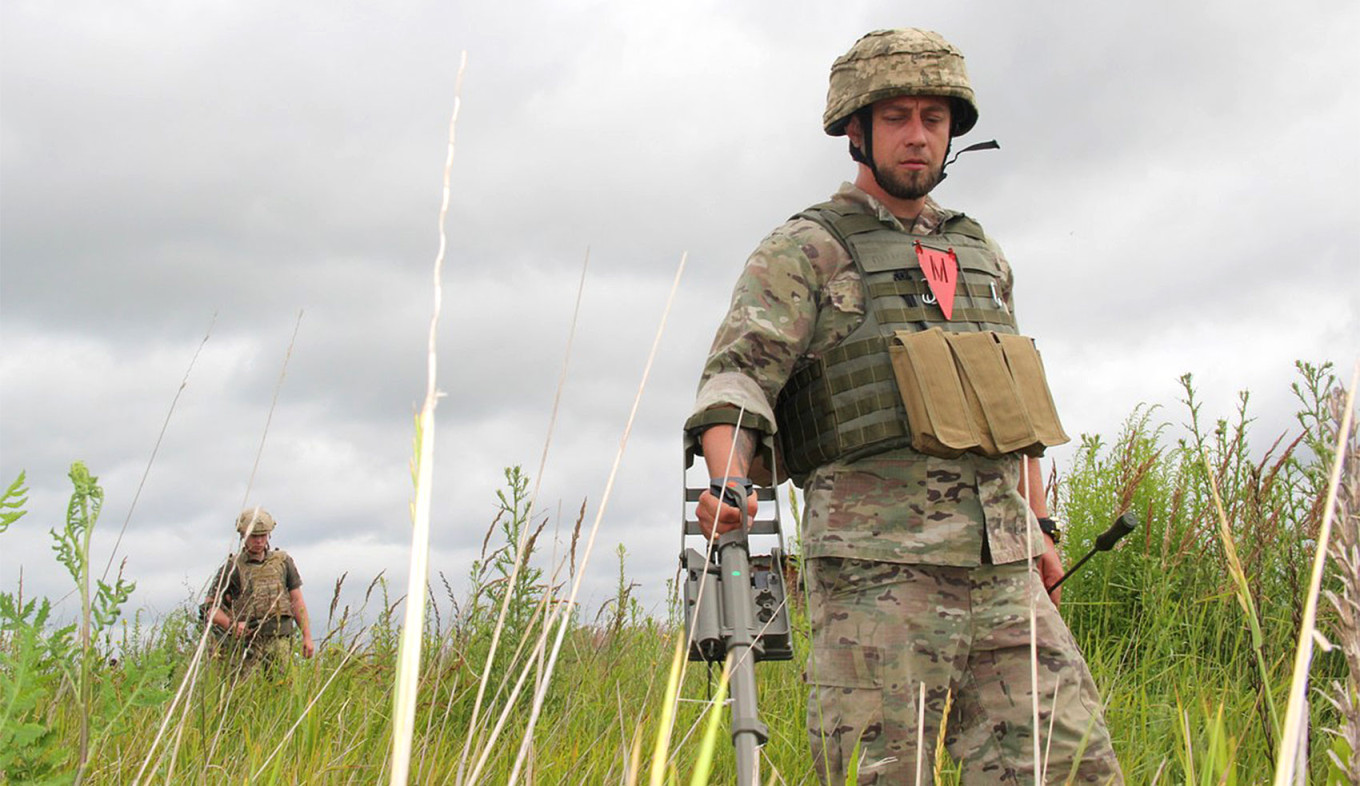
[
  {"x": 846, "y": 404},
  {"x": 264, "y": 589}
]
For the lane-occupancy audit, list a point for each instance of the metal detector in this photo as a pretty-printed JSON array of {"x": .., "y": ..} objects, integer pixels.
[{"x": 735, "y": 603}]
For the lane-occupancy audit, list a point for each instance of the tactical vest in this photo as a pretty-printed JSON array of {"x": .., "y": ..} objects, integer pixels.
[
  {"x": 847, "y": 404},
  {"x": 264, "y": 588}
]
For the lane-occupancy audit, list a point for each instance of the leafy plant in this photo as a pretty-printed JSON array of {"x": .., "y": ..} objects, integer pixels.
[{"x": 37, "y": 666}]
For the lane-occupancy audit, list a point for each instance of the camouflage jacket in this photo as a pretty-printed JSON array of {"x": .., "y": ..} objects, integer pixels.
[{"x": 798, "y": 296}]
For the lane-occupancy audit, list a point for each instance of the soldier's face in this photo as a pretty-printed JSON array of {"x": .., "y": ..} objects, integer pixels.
[
  {"x": 257, "y": 544},
  {"x": 911, "y": 136}
]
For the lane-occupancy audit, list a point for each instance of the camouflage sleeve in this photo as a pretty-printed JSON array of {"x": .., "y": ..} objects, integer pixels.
[{"x": 767, "y": 328}]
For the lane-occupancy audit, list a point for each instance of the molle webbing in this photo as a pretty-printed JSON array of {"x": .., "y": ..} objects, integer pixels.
[
  {"x": 264, "y": 591},
  {"x": 846, "y": 404},
  {"x": 864, "y": 414}
]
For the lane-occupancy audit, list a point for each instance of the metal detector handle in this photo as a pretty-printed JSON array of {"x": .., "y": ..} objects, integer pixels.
[{"x": 1126, "y": 523}]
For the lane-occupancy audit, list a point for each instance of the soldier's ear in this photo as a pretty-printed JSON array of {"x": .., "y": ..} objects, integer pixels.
[{"x": 855, "y": 132}]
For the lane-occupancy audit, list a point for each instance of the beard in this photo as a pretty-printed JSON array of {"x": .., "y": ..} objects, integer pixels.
[{"x": 910, "y": 185}]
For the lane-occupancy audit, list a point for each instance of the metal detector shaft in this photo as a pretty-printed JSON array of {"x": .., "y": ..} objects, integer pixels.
[
  {"x": 736, "y": 608},
  {"x": 748, "y": 733},
  {"x": 1126, "y": 523}
]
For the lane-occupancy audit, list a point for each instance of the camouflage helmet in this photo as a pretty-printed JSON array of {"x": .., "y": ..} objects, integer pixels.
[
  {"x": 890, "y": 63},
  {"x": 264, "y": 523}
]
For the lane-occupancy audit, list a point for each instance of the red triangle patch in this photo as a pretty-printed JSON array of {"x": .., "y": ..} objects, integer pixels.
[{"x": 942, "y": 273}]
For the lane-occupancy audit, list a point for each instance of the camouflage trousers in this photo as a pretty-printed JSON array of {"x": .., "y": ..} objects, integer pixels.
[
  {"x": 244, "y": 655},
  {"x": 882, "y": 630}
]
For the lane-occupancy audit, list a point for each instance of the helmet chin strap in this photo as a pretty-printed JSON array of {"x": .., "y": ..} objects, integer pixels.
[
  {"x": 990, "y": 144},
  {"x": 866, "y": 128}
]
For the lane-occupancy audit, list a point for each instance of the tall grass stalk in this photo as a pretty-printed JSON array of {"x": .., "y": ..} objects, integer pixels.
[
  {"x": 709, "y": 551},
  {"x": 156, "y": 447},
  {"x": 663, "y": 729},
  {"x": 412, "y": 634},
  {"x": 1244, "y": 598},
  {"x": 594, "y": 529},
  {"x": 1031, "y": 596},
  {"x": 191, "y": 674},
  {"x": 703, "y": 768},
  {"x": 1344, "y": 692},
  {"x": 521, "y": 557},
  {"x": 534, "y": 660},
  {"x": 349, "y": 652},
  {"x": 269, "y": 417},
  {"x": 1295, "y": 721}
]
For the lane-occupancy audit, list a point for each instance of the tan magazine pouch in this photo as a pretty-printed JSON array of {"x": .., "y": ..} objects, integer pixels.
[
  {"x": 1027, "y": 368},
  {"x": 981, "y": 392},
  {"x": 937, "y": 408}
]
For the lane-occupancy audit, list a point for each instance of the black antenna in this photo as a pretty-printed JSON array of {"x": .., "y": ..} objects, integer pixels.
[{"x": 1122, "y": 526}]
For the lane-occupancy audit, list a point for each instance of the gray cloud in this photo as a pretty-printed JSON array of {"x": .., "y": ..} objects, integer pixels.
[{"x": 1177, "y": 190}]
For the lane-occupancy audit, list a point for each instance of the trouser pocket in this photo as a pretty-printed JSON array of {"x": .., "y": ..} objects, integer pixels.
[{"x": 845, "y": 708}]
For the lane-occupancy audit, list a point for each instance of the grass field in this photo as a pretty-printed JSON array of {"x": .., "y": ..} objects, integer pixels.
[{"x": 1190, "y": 629}]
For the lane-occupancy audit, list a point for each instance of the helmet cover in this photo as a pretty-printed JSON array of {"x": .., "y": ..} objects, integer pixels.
[
  {"x": 264, "y": 523},
  {"x": 890, "y": 63}
]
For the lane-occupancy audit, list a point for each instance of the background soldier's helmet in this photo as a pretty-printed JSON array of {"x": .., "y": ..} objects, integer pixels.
[
  {"x": 890, "y": 63},
  {"x": 263, "y": 521}
]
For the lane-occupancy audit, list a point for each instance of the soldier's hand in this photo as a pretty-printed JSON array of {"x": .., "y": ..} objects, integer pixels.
[
  {"x": 1051, "y": 569},
  {"x": 239, "y": 630},
  {"x": 308, "y": 648},
  {"x": 727, "y": 517}
]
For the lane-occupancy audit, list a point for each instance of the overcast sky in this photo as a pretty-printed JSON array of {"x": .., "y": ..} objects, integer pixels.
[{"x": 1178, "y": 190}]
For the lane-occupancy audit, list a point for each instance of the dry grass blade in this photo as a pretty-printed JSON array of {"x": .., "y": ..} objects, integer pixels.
[
  {"x": 663, "y": 729},
  {"x": 156, "y": 448},
  {"x": 920, "y": 732},
  {"x": 709, "y": 551},
  {"x": 195, "y": 663},
  {"x": 488, "y": 745},
  {"x": 523, "y": 547},
  {"x": 942, "y": 734},
  {"x": 408, "y": 655},
  {"x": 1295, "y": 719},
  {"x": 1345, "y": 552},
  {"x": 535, "y": 660},
  {"x": 269, "y": 418},
  {"x": 594, "y": 530},
  {"x": 354, "y": 646},
  {"x": 1243, "y": 591},
  {"x": 704, "y": 766},
  {"x": 1032, "y": 598}
]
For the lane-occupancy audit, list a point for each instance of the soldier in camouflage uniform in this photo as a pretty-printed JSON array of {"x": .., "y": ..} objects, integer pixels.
[
  {"x": 255, "y": 599},
  {"x": 922, "y": 569}
]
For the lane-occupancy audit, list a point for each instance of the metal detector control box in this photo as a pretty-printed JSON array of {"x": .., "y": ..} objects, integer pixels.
[{"x": 734, "y": 598}]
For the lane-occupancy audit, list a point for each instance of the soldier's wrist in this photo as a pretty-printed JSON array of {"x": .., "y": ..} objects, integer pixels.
[
  {"x": 1050, "y": 528},
  {"x": 732, "y": 489}
]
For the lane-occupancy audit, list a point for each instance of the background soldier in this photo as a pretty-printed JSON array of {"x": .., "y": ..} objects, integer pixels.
[
  {"x": 917, "y": 534},
  {"x": 261, "y": 596}
]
